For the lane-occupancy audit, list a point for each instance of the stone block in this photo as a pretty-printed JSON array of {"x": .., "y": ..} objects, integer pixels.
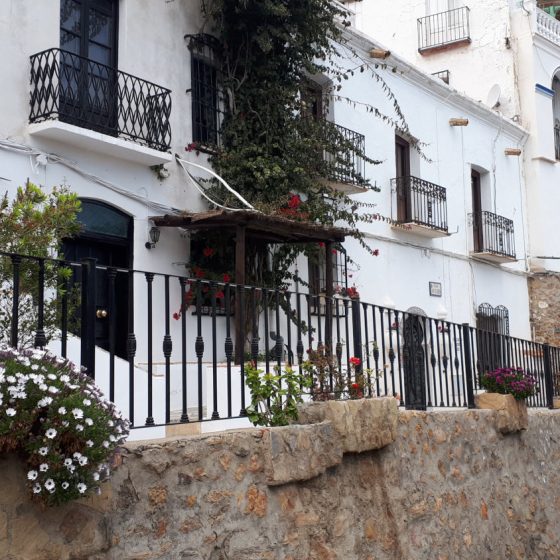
[
  {"x": 511, "y": 414},
  {"x": 297, "y": 452},
  {"x": 362, "y": 424}
]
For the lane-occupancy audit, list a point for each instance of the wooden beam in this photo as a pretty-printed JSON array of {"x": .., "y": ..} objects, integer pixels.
[{"x": 329, "y": 292}]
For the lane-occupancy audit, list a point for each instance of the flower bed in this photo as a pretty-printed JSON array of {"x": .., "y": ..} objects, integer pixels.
[{"x": 56, "y": 418}]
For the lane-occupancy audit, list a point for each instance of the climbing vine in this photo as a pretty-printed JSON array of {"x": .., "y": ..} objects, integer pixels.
[{"x": 272, "y": 149}]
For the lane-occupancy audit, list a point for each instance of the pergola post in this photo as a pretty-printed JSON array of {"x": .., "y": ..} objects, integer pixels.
[
  {"x": 240, "y": 279},
  {"x": 329, "y": 292}
]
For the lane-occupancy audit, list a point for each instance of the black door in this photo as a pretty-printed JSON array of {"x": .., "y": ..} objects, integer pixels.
[
  {"x": 478, "y": 233},
  {"x": 88, "y": 62},
  {"x": 414, "y": 363},
  {"x": 106, "y": 236},
  {"x": 402, "y": 158}
]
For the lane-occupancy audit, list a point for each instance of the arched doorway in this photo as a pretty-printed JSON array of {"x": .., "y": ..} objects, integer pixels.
[
  {"x": 414, "y": 359},
  {"x": 106, "y": 235}
]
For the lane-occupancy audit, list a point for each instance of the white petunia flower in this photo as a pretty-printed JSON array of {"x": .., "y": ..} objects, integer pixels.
[
  {"x": 79, "y": 428},
  {"x": 34, "y": 367},
  {"x": 62, "y": 410},
  {"x": 43, "y": 387},
  {"x": 83, "y": 461},
  {"x": 89, "y": 421},
  {"x": 65, "y": 423},
  {"x": 49, "y": 484},
  {"x": 65, "y": 378},
  {"x": 65, "y": 485},
  {"x": 78, "y": 413},
  {"x": 51, "y": 376},
  {"x": 51, "y": 433},
  {"x": 43, "y": 451},
  {"x": 32, "y": 475},
  {"x": 95, "y": 476},
  {"x": 53, "y": 390},
  {"x": 86, "y": 402},
  {"x": 67, "y": 462},
  {"x": 43, "y": 467},
  {"x": 89, "y": 443},
  {"x": 77, "y": 455},
  {"x": 36, "y": 488},
  {"x": 105, "y": 443},
  {"x": 45, "y": 401},
  {"x": 81, "y": 487},
  {"x": 11, "y": 379},
  {"x": 11, "y": 411}
]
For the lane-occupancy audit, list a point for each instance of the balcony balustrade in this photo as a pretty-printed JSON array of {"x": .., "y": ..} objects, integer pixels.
[
  {"x": 421, "y": 205},
  {"x": 494, "y": 238},
  {"x": 71, "y": 89},
  {"x": 546, "y": 26},
  {"x": 444, "y": 29}
]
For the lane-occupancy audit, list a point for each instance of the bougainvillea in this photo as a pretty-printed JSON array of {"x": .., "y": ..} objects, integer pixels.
[{"x": 56, "y": 418}]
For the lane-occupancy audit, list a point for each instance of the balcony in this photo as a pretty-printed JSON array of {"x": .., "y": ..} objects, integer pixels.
[
  {"x": 79, "y": 101},
  {"x": 444, "y": 30},
  {"x": 493, "y": 237},
  {"x": 421, "y": 206},
  {"x": 339, "y": 152},
  {"x": 546, "y": 26}
]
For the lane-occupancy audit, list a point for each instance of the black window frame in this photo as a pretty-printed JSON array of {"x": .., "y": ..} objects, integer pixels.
[{"x": 206, "y": 92}]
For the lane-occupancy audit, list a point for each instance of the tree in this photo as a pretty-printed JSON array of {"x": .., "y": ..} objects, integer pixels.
[{"x": 34, "y": 223}]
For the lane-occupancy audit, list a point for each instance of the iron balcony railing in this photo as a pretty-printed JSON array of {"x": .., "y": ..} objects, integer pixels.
[
  {"x": 349, "y": 166},
  {"x": 421, "y": 202},
  {"x": 90, "y": 95},
  {"x": 493, "y": 234},
  {"x": 445, "y": 28},
  {"x": 557, "y": 141}
]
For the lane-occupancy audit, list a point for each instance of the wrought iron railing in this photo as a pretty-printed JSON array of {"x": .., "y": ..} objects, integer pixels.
[
  {"x": 88, "y": 94},
  {"x": 182, "y": 366},
  {"x": 445, "y": 28},
  {"x": 420, "y": 202},
  {"x": 557, "y": 141},
  {"x": 493, "y": 234}
]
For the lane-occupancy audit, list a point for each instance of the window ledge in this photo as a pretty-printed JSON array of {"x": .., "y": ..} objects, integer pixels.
[
  {"x": 98, "y": 142},
  {"x": 493, "y": 257},
  {"x": 420, "y": 229}
]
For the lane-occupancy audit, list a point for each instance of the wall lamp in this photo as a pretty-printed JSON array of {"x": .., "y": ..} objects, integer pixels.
[{"x": 154, "y": 237}]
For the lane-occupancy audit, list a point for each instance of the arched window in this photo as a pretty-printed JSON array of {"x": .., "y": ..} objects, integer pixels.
[{"x": 493, "y": 319}]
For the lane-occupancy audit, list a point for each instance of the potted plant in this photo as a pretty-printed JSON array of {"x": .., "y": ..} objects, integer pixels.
[{"x": 506, "y": 391}]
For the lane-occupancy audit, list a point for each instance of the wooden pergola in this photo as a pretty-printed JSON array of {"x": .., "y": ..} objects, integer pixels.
[{"x": 249, "y": 225}]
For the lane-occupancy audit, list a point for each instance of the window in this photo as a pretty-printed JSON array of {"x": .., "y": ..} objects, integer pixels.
[
  {"x": 205, "y": 89},
  {"x": 493, "y": 319},
  {"x": 318, "y": 272}
]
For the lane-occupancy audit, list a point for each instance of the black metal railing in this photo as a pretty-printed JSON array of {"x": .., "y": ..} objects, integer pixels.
[
  {"x": 88, "y": 94},
  {"x": 493, "y": 234},
  {"x": 181, "y": 365},
  {"x": 557, "y": 141},
  {"x": 445, "y": 28},
  {"x": 349, "y": 166},
  {"x": 420, "y": 202}
]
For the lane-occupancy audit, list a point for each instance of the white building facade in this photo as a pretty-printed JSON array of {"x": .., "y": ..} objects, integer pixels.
[
  {"x": 99, "y": 95},
  {"x": 506, "y": 54}
]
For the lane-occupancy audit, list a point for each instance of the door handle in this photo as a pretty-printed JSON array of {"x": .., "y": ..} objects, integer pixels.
[{"x": 101, "y": 313}]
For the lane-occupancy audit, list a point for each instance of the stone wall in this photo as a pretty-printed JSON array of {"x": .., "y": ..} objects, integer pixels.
[
  {"x": 544, "y": 294},
  {"x": 449, "y": 487}
]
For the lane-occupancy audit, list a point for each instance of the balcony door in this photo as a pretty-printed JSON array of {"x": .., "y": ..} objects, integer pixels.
[
  {"x": 478, "y": 234},
  {"x": 88, "y": 61},
  {"x": 402, "y": 158}
]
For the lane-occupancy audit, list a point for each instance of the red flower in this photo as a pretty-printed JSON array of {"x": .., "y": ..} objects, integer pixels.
[
  {"x": 321, "y": 244},
  {"x": 176, "y": 316},
  {"x": 198, "y": 272},
  {"x": 355, "y": 361},
  {"x": 191, "y": 147},
  {"x": 220, "y": 295},
  {"x": 295, "y": 201},
  {"x": 352, "y": 293},
  {"x": 226, "y": 278},
  {"x": 333, "y": 251},
  {"x": 355, "y": 386},
  {"x": 375, "y": 252},
  {"x": 208, "y": 251}
]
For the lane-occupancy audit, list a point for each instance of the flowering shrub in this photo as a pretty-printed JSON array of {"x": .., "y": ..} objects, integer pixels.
[
  {"x": 510, "y": 381},
  {"x": 56, "y": 417}
]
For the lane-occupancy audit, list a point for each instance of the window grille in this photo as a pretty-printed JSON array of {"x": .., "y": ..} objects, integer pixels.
[
  {"x": 207, "y": 102},
  {"x": 493, "y": 319}
]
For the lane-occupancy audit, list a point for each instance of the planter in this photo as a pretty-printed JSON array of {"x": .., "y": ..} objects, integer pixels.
[
  {"x": 556, "y": 402},
  {"x": 511, "y": 413}
]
